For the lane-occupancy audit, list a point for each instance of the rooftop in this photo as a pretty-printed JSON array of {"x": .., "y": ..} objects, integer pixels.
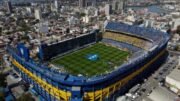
[{"x": 161, "y": 94}]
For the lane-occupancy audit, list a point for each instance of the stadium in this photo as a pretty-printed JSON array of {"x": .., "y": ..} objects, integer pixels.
[{"x": 94, "y": 66}]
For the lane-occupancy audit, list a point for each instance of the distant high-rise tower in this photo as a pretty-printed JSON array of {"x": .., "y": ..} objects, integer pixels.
[
  {"x": 90, "y": 2},
  {"x": 118, "y": 4},
  {"x": 149, "y": 23},
  {"x": 94, "y": 2},
  {"x": 108, "y": 9},
  {"x": 9, "y": 7},
  {"x": 56, "y": 4},
  {"x": 82, "y": 3},
  {"x": 28, "y": 10},
  {"x": 42, "y": 27},
  {"x": 38, "y": 14}
]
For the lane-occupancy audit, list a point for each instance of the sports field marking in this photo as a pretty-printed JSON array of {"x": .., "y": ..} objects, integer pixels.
[{"x": 77, "y": 63}]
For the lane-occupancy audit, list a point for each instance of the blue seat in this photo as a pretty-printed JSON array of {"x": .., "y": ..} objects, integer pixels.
[
  {"x": 122, "y": 45},
  {"x": 155, "y": 35}
]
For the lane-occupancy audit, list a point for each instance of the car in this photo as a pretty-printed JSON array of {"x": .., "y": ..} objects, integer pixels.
[
  {"x": 165, "y": 69},
  {"x": 160, "y": 83},
  {"x": 143, "y": 90},
  {"x": 170, "y": 63},
  {"x": 160, "y": 73},
  {"x": 149, "y": 93},
  {"x": 15, "y": 75},
  {"x": 156, "y": 78}
]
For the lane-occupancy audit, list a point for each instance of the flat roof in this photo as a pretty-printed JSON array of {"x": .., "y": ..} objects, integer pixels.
[
  {"x": 174, "y": 77},
  {"x": 161, "y": 94},
  {"x": 175, "y": 74}
]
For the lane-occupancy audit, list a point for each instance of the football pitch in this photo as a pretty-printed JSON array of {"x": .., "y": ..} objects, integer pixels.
[{"x": 106, "y": 59}]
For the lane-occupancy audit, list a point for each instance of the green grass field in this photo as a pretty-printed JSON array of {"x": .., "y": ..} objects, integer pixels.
[{"x": 77, "y": 63}]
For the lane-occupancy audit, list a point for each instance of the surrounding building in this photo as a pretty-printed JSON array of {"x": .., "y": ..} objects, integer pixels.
[
  {"x": 118, "y": 5},
  {"x": 56, "y": 4},
  {"x": 108, "y": 9},
  {"x": 161, "y": 94},
  {"x": 9, "y": 7},
  {"x": 82, "y": 3},
  {"x": 175, "y": 23},
  {"x": 173, "y": 80},
  {"x": 37, "y": 14}
]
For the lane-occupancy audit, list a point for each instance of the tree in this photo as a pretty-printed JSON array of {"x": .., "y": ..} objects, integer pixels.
[
  {"x": 82, "y": 14},
  {"x": 178, "y": 29},
  {"x": 25, "y": 37},
  {"x": 2, "y": 98},
  {"x": 177, "y": 48},
  {"x": 25, "y": 97},
  {"x": 1, "y": 30},
  {"x": 2, "y": 80},
  {"x": 24, "y": 26}
]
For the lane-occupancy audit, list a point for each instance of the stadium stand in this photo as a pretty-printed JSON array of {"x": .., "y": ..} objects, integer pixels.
[
  {"x": 141, "y": 43},
  {"x": 148, "y": 33},
  {"x": 122, "y": 45},
  {"x": 47, "y": 51},
  {"x": 53, "y": 85}
]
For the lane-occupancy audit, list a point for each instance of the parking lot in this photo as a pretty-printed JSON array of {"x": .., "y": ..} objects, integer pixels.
[{"x": 140, "y": 91}]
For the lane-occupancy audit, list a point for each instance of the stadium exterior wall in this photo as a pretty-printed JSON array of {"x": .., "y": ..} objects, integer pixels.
[
  {"x": 65, "y": 87},
  {"x": 48, "y": 51},
  {"x": 87, "y": 91}
]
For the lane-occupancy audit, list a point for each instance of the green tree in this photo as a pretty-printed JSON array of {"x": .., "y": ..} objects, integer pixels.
[
  {"x": 24, "y": 26},
  {"x": 2, "y": 98},
  {"x": 82, "y": 14},
  {"x": 25, "y": 37},
  {"x": 178, "y": 29},
  {"x": 2, "y": 80},
  {"x": 177, "y": 48},
  {"x": 25, "y": 97}
]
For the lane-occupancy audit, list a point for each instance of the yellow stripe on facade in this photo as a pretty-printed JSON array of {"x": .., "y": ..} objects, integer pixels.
[
  {"x": 141, "y": 43},
  {"x": 59, "y": 94},
  {"x": 91, "y": 96}
]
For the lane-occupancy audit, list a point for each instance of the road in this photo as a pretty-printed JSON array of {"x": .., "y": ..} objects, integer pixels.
[
  {"x": 174, "y": 52},
  {"x": 156, "y": 79}
]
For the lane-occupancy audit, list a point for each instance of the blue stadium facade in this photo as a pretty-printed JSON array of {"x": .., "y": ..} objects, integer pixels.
[{"x": 53, "y": 86}]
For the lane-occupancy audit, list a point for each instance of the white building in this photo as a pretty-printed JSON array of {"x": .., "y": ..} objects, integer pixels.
[
  {"x": 118, "y": 5},
  {"x": 28, "y": 9},
  {"x": 37, "y": 14},
  {"x": 42, "y": 27},
  {"x": 87, "y": 11},
  {"x": 82, "y": 3},
  {"x": 72, "y": 20},
  {"x": 93, "y": 2},
  {"x": 96, "y": 12},
  {"x": 175, "y": 23},
  {"x": 56, "y": 4},
  {"x": 86, "y": 19},
  {"x": 108, "y": 9},
  {"x": 149, "y": 23},
  {"x": 161, "y": 94},
  {"x": 173, "y": 80},
  {"x": 179, "y": 60}
]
